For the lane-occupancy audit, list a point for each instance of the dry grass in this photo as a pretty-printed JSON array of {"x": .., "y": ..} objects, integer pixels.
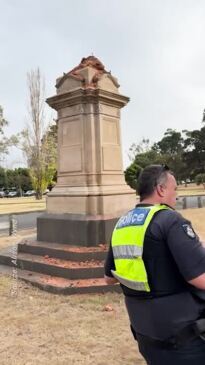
[
  {"x": 17, "y": 205},
  {"x": 6, "y": 241},
  {"x": 191, "y": 189},
  {"x": 197, "y": 217},
  {"x": 46, "y": 329}
]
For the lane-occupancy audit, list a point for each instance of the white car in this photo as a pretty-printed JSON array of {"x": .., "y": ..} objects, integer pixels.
[
  {"x": 30, "y": 193},
  {"x": 12, "y": 194}
]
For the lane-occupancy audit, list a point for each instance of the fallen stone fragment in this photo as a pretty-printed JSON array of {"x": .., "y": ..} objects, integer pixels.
[{"x": 108, "y": 308}]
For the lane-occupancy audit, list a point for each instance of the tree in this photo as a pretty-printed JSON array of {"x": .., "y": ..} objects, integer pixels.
[
  {"x": 142, "y": 147},
  {"x": 5, "y": 142},
  {"x": 171, "y": 147},
  {"x": 200, "y": 179},
  {"x": 49, "y": 143},
  {"x": 168, "y": 150},
  {"x": 39, "y": 144},
  {"x": 132, "y": 174},
  {"x": 3, "y": 178},
  {"x": 171, "y": 143},
  {"x": 148, "y": 158},
  {"x": 18, "y": 178},
  {"x": 22, "y": 179},
  {"x": 183, "y": 152},
  {"x": 141, "y": 160},
  {"x": 194, "y": 154}
]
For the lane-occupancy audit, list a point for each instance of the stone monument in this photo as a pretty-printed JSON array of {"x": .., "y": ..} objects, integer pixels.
[{"x": 91, "y": 192}]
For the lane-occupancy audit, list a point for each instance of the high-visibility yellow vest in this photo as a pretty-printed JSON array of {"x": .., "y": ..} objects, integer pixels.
[{"x": 127, "y": 245}]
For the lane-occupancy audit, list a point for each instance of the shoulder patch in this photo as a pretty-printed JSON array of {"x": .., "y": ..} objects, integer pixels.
[
  {"x": 135, "y": 217},
  {"x": 189, "y": 230}
]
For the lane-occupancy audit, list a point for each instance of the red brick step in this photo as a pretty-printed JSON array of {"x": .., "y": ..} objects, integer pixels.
[
  {"x": 63, "y": 251},
  {"x": 64, "y": 286},
  {"x": 56, "y": 267},
  {"x": 60, "y": 268}
]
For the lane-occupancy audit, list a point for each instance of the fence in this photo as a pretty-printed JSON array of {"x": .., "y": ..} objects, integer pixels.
[
  {"x": 195, "y": 201},
  {"x": 10, "y": 225}
]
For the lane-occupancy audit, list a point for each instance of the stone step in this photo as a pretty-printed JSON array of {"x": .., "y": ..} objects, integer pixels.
[
  {"x": 57, "y": 285},
  {"x": 63, "y": 251},
  {"x": 54, "y": 266}
]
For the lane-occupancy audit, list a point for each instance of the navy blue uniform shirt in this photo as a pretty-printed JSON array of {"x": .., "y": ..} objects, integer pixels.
[{"x": 172, "y": 255}]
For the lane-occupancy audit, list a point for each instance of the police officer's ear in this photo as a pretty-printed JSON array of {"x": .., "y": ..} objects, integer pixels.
[{"x": 160, "y": 188}]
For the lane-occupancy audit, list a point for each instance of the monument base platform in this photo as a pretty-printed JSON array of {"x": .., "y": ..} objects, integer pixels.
[
  {"x": 75, "y": 229},
  {"x": 58, "y": 268}
]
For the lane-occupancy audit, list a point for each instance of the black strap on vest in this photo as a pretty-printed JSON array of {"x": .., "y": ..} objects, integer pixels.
[{"x": 184, "y": 336}]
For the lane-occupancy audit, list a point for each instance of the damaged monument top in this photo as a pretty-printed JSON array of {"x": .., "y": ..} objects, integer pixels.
[{"x": 90, "y": 73}]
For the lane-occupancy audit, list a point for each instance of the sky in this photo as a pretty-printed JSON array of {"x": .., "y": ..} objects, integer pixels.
[{"x": 155, "y": 48}]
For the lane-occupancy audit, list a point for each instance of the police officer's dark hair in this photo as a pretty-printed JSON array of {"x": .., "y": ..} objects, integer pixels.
[{"x": 150, "y": 177}]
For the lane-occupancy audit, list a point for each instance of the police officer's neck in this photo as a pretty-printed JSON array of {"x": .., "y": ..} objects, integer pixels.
[{"x": 152, "y": 200}]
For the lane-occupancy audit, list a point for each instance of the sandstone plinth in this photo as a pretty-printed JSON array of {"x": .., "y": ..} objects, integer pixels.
[{"x": 90, "y": 192}]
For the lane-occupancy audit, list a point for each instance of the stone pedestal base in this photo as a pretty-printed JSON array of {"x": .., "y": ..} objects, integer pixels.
[
  {"x": 75, "y": 229},
  {"x": 91, "y": 200}
]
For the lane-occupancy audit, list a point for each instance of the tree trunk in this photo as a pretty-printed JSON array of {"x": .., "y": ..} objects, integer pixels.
[{"x": 39, "y": 195}]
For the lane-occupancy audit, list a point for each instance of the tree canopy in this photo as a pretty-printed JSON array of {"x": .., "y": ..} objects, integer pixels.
[
  {"x": 18, "y": 178},
  {"x": 183, "y": 152}
]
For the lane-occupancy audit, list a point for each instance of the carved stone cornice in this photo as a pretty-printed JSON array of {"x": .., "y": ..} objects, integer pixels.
[{"x": 89, "y": 95}]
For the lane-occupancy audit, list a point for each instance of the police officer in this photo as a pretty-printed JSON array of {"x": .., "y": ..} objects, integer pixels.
[{"x": 159, "y": 262}]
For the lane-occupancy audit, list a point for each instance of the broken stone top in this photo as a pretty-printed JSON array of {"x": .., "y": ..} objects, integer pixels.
[
  {"x": 90, "y": 73},
  {"x": 90, "y": 61}
]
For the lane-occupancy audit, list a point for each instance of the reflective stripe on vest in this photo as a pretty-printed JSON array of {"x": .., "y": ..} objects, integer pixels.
[
  {"x": 126, "y": 251},
  {"x": 135, "y": 285},
  {"x": 127, "y": 245}
]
